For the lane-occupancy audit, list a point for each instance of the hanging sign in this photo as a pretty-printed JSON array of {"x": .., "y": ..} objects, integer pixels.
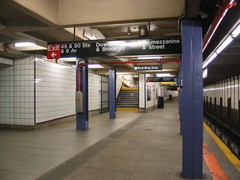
[
  {"x": 147, "y": 67},
  {"x": 160, "y": 45},
  {"x": 54, "y": 51},
  {"x": 162, "y": 79}
]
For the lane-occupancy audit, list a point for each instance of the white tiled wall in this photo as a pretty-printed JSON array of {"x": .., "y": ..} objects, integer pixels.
[
  {"x": 55, "y": 87},
  {"x": 154, "y": 87},
  {"x": 17, "y": 92},
  {"x": 226, "y": 88},
  {"x": 94, "y": 91},
  {"x": 6, "y": 95},
  {"x": 142, "y": 90},
  {"x": 6, "y": 61},
  {"x": 55, "y": 91}
]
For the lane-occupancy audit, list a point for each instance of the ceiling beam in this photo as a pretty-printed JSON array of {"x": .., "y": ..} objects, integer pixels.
[{"x": 192, "y": 8}]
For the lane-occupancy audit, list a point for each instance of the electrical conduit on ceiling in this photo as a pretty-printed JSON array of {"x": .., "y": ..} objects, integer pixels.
[
  {"x": 126, "y": 62},
  {"x": 223, "y": 7}
]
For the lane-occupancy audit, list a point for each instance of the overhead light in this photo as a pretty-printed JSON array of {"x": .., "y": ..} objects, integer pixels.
[
  {"x": 38, "y": 59},
  {"x": 236, "y": 32},
  {"x": 150, "y": 57},
  {"x": 205, "y": 73},
  {"x": 231, "y": 36},
  {"x": 209, "y": 60},
  {"x": 95, "y": 66},
  {"x": 68, "y": 59},
  {"x": 225, "y": 43},
  {"x": 24, "y": 44},
  {"x": 163, "y": 74}
]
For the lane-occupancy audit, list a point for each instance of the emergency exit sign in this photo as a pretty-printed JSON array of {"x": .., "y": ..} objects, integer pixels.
[{"x": 54, "y": 51}]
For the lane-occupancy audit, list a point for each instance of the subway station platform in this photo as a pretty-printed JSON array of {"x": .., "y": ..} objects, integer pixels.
[{"x": 134, "y": 146}]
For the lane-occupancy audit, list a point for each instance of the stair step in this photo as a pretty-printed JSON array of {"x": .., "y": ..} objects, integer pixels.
[{"x": 128, "y": 98}]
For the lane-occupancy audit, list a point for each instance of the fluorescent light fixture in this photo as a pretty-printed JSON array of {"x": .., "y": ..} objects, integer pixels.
[
  {"x": 205, "y": 73},
  {"x": 209, "y": 60},
  {"x": 224, "y": 44},
  {"x": 24, "y": 44},
  {"x": 95, "y": 66},
  {"x": 68, "y": 59},
  {"x": 236, "y": 31},
  {"x": 128, "y": 44},
  {"x": 163, "y": 75},
  {"x": 231, "y": 36},
  {"x": 38, "y": 59},
  {"x": 150, "y": 57}
]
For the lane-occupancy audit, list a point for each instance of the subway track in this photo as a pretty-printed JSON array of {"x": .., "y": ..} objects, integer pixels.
[{"x": 227, "y": 131}]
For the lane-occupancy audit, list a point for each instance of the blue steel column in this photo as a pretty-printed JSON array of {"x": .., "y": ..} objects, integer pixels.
[
  {"x": 112, "y": 93},
  {"x": 82, "y": 118},
  {"x": 192, "y": 99}
]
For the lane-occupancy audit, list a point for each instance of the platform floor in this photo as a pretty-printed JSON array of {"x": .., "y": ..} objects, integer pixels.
[{"x": 134, "y": 146}]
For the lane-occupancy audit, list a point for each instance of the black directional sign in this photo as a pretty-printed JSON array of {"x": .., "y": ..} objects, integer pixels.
[
  {"x": 162, "y": 79},
  {"x": 160, "y": 45},
  {"x": 147, "y": 67}
]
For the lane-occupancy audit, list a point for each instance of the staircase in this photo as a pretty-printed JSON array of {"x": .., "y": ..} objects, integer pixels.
[{"x": 127, "y": 98}]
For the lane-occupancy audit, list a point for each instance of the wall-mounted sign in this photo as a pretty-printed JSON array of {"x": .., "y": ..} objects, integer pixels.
[
  {"x": 160, "y": 45},
  {"x": 147, "y": 67}
]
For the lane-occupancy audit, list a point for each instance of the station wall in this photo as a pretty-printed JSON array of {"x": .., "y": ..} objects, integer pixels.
[
  {"x": 154, "y": 89},
  {"x": 17, "y": 93},
  {"x": 55, "y": 91},
  {"x": 36, "y": 91},
  {"x": 223, "y": 99},
  {"x": 94, "y": 91}
]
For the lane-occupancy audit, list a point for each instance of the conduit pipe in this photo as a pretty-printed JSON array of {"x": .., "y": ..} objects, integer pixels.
[
  {"x": 223, "y": 7},
  {"x": 134, "y": 62},
  {"x": 125, "y": 62},
  {"x": 79, "y": 77}
]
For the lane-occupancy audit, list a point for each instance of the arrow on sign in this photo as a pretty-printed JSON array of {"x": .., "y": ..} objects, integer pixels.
[{"x": 53, "y": 54}]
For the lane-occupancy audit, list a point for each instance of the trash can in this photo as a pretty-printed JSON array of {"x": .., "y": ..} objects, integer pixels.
[
  {"x": 160, "y": 102},
  {"x": 170, "y": 97}
]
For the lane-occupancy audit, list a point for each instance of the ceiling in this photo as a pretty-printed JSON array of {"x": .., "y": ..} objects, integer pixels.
[{"x": 21, "y": 22}]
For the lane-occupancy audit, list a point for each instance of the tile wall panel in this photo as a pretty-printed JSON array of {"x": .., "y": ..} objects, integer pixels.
[
  {"x": 228, "y": 88},
  {"x": 7, "y": 95},
  {"x": 94, "y": 91},
  {"x": 24, "y": 91},
  {"x": 142, "y": 90},
  {"x": 55, "y": 91},
  {"x": 16, "y": 92}
]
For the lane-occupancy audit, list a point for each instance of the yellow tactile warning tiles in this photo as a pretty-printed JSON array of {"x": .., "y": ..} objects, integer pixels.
[
  {"x": 130, "y": 88},
  {"x": 232, "y": 158}
]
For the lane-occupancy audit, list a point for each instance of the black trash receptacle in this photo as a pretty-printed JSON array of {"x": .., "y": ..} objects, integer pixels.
[
  {"x": 160, "y": 102},
  {"x": 170, "y": 97}
]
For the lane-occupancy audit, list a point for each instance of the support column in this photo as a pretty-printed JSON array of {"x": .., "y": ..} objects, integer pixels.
[
  {"x": 82, "y": 73},
  {"x": 192, "y": 99},
  {"x": 112, "y": 93}
]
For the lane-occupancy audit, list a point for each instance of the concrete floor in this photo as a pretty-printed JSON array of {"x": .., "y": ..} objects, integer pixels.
[{"x": 134, "y": 146}]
